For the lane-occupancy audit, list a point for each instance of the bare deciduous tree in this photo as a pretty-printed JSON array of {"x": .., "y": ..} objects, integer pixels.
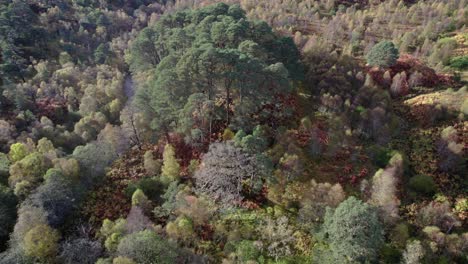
[{"x": 222, "y": 172}]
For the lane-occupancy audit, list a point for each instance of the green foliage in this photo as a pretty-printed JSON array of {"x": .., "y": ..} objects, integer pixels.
[
  {"x": 146, "y": 247},
  {"x": 112, "y": 232},
  {"x": 212, "y": 53},
  {"x": 228, "y": 134},
  {"x": 41, "y": 242},
  {"x": 171, "y": 168},
  {"x": 181, "y": 229},
  {"x": 46, "y": 147},
  {"x": 247, "y": 250},
  {"x": 461, "y": 205},
  {"x": 399, "y": 235},
  {"x": 353, "y": 232},
  {"x": 389, "y": 254},
  {"x": 17, "y": 152},
  {"x": 459, "y": 63},
  {"x": 139, "y": 199},
  {"x": 4, "y": 168},
  {"x": 101, "y": 53},
  {"x": 93, "y": 159},
  {"x": 123, "y": 260},
  {"x": 20, "y": 39},
  {"x": 380, "y": 155},
  {"x": 193, "y": 166},
  {"x": 423, "y": 184},
  {"x": 200, "y": 74},
  {"x": 8, "y": 204},
  {"x": 105, "y": 261},
  {"x": 255, "y": 143},
  {"x": 151, "y": 187},
  {"x": 170, "y": 200},
  {"x": 30, "y": 169},
  {"x": 383, "y": 54}
]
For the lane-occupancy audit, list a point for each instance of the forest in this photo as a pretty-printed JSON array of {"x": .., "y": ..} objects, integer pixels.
[{"x": 234, "y": 131}]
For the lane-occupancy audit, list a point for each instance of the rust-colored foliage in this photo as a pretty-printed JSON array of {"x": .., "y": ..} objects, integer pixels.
[
  {"x": 409, "y": 64},
  {"x": 109, "y": 199},
  {"x": 52, "y": 108}
]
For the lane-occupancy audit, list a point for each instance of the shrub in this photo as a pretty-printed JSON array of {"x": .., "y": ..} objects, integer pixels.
[
  {"x": 80, "y": 251},
  {"x": 140, "y": 200},
  {"x": 383, "y": 54},
  {"x": 379, "y": 155},
  {"x": 459, "y": 63},
  {"x": 228, "y": 134},
  {"x": 41, "y": 242},
  {"x": 146, "y": 247},
  {"x": 423, "y": 184},
  {"x": 353, "y": 232}
]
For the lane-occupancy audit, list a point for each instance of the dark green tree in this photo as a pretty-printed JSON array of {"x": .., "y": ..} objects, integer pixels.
[
  {"x": 21, "y": 37},
  {"x": 239, "y": 65},
  {"x": 383, "y": 54},
  {"x": 7, "y": 214},
  {"x": 353, "y": 232},
  {"x": 101, "y": 53}
]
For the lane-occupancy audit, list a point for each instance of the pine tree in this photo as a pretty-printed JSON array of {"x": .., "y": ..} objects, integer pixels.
[
  {"x": 353, "y": 232},
  {"x": 383, "y": 54}
]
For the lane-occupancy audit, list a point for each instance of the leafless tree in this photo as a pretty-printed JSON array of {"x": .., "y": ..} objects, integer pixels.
[{"x": 223, "y": 171}]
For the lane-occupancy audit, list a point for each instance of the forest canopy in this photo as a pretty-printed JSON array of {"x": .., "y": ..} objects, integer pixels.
[
  {"x": 234, "y": 131},
  {"x": 217, "y": 65}
]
